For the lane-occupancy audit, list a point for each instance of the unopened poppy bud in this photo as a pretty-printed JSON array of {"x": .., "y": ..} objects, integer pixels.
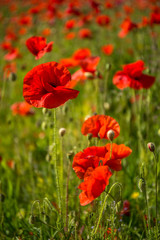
[
  {"x": 48, "y": 157},
  {"x": 148, "y": 71},
  {"x": 142, "y": 184},
  {"x": 106, "y": 106},
  {"x": 45, "y": 111},
  {"x": 70, "y": 155},
  {"x": 98, "y": 74},
  {"x": 88, "y": 75},
  {"x": 12, "y": 76},
  {"x": 89, "y": 136},
  {"x": 110, "y": 135},
  {"x": 62, "y": 132},
  {"x": 108, "y": 66},
  {"x": 151, "y": 146},
  {"x": 44, "y": 126}
]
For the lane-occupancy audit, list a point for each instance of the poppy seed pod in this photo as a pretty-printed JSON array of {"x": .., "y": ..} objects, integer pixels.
[
  {"x": 151, "y": 146},
  {"x": 110, "y": 135},
  {"x": 62, "y": 132}
]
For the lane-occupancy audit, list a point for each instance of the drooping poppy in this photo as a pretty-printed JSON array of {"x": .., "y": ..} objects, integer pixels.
[
  {"x": 38, "y": 46},
  {"x": 99, "y": 125},
  {"x": 95, "y": 182},
  {"x": 132, "y": 76},
  {"x": 45, "y": 86}
]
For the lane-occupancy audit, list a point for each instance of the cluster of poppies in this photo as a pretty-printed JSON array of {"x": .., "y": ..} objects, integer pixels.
[{"x": 95, "y": 165}]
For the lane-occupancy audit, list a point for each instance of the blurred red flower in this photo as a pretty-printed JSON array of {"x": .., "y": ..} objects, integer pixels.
[
  {"x": 45, "y": 86},
  {"x": 99, "y": 125},
  {"x": 126, "y": 27},
  {"x": 132, "y": 76},
  {"x": 22, "y": 108},
  {"x": 70, "y": 24},
  {"x": 6, "y": 46},
  {"x": 81, "y": 53},
  {"x": 107, "y": 49},
  {"x": 12, "y": 54},
  {"x": 38, "y": 46},
  {"x": 85, "y": 33},
  {"x": 103, "y": 20}
]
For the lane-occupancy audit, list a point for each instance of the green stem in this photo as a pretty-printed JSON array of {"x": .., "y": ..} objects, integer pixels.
[{"x": 101, "y": 212}]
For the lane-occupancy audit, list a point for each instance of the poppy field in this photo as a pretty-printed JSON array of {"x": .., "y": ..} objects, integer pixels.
[{"x": 79, "y": 119}]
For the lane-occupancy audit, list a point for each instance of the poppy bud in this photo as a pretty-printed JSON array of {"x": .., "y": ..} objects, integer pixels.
[
  {"x": 70, "y": 155},
  {"x": 45, "y": 111},
  {"x": 44, "y": 126},
  {"x": 62, "y": 132},
  {"x": 108, "y": 66},
  {"x": 48, "y": 157},
  {"x": 151, "y": 146},
  {"x": 110, "y": 135},
  {"x": 106, "y": 106},
  {"x": 89, "y": 136},
  {"x": 142, "y": 184},
  {"x": 89, "y": 75},
  {"x": 12, "y": 77}
]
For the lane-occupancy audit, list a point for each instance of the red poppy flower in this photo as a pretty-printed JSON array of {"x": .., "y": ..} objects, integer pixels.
[
  {"x": 69, "y": 62},
  {"x": 155, "y": 16},
  {"x": 95, "y": 182},
  {"x": 89, "y": 64},
  {"x": 103, "y": 20},
  {"x": 12, "y": 54},
  {"x": 118, "y": 153},
  {"x": 78, "y": 76},
  {"x": 85, "y": 33},
  {"x": 38, "y": 46},
  {"x": 22, "y": 108},
  {"x": 126, "y": 208},
  {"x": 70, "y": 36},
  {"x": 6, "y": 46},
  {"x": 81, "y": 54},
  {"x": 25, "y": 20},
  {"x": 92, "y": 157},
  {"x": 126, "y": 27},
  {"x": 99, "y": 125},
  {"x": 45, "y": 86},
  {"x": 70, "y": 24},
  {"x": 46, "y": 32},
  {"x": 107, "y": 49},
  {"x": 132, "y": 76}
]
